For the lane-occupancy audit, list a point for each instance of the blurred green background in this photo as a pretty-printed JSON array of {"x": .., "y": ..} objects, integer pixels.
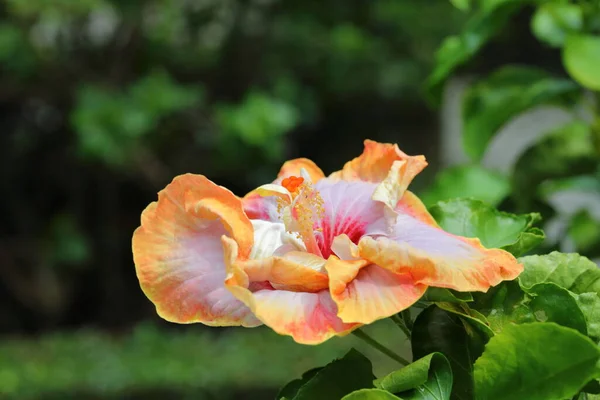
[{"x": 102, "y": 102}]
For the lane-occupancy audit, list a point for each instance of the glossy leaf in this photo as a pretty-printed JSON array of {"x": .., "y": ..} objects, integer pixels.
[
  {"x": 340, "y": 377},
  {"x": 571, "y": 271},
  {"x": 437, "y": 330},
  {"x": 473, "y": 218},
  {"x": 467, "y": 181},
  {"x": 429, "y": 378},
  {"x": 370, "y": 394},
  {"x": 537, "y": 361},
  {"x": 552, "y": 22},
  {"x": 494, "y": 101},
  {"x": 581, "y": 57}
]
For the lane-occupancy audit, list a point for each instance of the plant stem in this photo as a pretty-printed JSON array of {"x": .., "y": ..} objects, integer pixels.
[
  {"x": 407, "y": 319},
  {"x": 375, "y": 344},
  {"x": 400, "y": 323}
]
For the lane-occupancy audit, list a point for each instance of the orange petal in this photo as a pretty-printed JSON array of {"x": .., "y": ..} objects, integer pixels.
[
  {"x": 179, "y": 257},
  {"x": 365, "y": 292},
  {"x": 294, "y": 168},
  {"x": 296, "y": 271},
  {"x": 374, "y": 164},
  {"x": 437, "y": 258},
  {"x": 309, "y": 318}
]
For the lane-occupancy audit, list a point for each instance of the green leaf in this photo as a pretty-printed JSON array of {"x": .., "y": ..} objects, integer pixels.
[
  {"x": 494, "y": 101},
  {"x": 467, "y": 181},
  {"x": 552, "y": 303},
  {"x": 589, "y": 304},
  {"x": 457, "y": 50},
  {"x": 503, "y": 305},
  {"x": 571, "y": 271},
  {"x": 495, "y": 229},
  {"x": 471, "y": 316},
  {"x": 290, "y": 390},
  {"x": 437, "y": 330},
  {"x": 581, "y": 57},
  {"x": 552, "y": 22},
  {"x": 537, "y": 361},
  {"x": 435, "y": 295},
  {"x": 429, "y": 378},
  {"x": 338, "y": 378},
  {"x": 370, "y": 394}
]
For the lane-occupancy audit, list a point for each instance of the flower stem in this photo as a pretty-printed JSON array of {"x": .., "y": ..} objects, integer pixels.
[
  {"x": 375, "y": 344},
  {"x": 400, "y": 323}
]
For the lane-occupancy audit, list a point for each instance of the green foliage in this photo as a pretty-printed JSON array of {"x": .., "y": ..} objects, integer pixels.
[
  {"x": 457, "y": 50},
  {"x": 467, "y": 181},
  {"x": 191, "y": 360},
  {"x": 429, "y": 378},
  {"x": 473, "y": 218},
  {"x": 111, "y": 125},
  {"x": 571, "y": 271},
  {"x": 436, "y": 330},
  {"x": 492, "y": 102},
  {"x": 553, "y": 21},
  {"x": 370, "y": 394},
  {"x": 581, "y": 56},
  {"x": 340, "y": 377},
  {"x": 259, "y": 121},
  {"x": 537, "y": 361},
  {"x": 503, "y": 305}
]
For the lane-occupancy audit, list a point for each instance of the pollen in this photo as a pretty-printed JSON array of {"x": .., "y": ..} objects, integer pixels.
[
  {"x": 305, "y": 209},
  {"x": 292, "y": 183}
]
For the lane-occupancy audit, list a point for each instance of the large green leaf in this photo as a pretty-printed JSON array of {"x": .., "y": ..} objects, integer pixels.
[
  {"x": 571, "y": 271},
  {"x": 537, "y": 361},
  {"x": 494, "y": 101},
  {"x": 437, "y": 330},
  {"x": 457, "y": 50},
  {"x": 335, "y": 380},
  {"x": 467, "y": 181},
  {"x": 581, "y": 57},
  {"x": 370, "y": 394},
  {"x": 553, "y": 21},
  {"x": 429, "y": 378},
  {"x": 495, "y": 229}
]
